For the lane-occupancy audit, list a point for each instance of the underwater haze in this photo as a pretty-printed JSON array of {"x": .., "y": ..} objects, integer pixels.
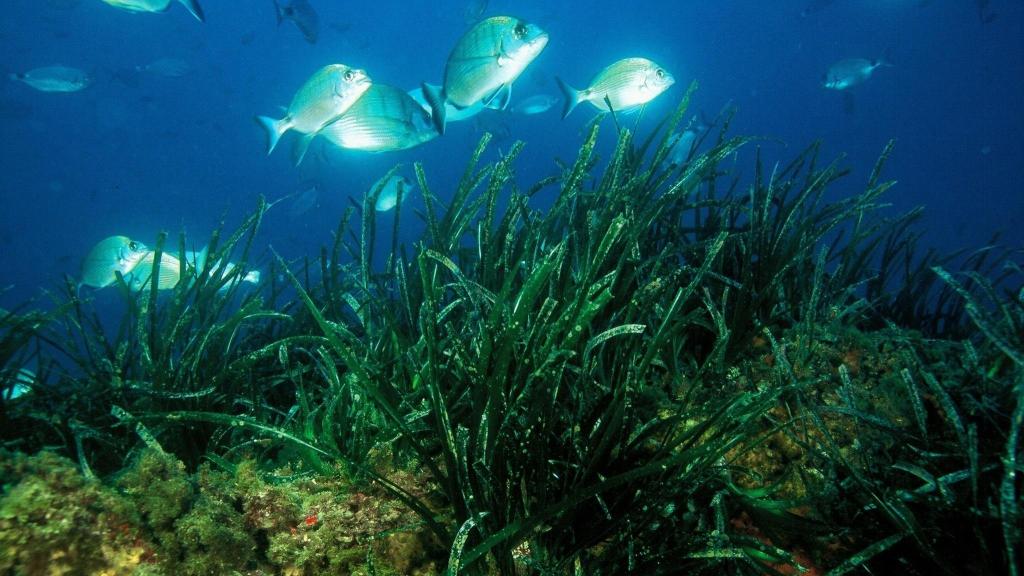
[{"x": 163, "y": 137}]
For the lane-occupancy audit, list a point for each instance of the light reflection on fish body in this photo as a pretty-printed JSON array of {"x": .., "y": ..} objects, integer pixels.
[
  {"x": 484, "y": 63},
  {"x": 157, "y": 6},
  {"x": 168, "y": 274},
  {"x": 323, "y": 98},
  {"x": 54, "y": 79},
  {"x": 383, "y": 119},
  {"x": 625, "y": 85}
]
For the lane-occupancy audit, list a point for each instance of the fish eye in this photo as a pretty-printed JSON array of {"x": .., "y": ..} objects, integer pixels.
[
  {"x": 520, "y": 30},
  {"x": 661, "y": 73},
  {"x": 349, "y": 76},
  {"x": 133, "y": 245}
]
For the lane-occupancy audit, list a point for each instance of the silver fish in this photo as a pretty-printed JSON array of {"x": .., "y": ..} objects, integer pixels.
[
  {"x": 108, "y": 257},
  {"x": 157, "y": 6},
  {"x": 537, "y": 104},
  {"x": 54, "y": 79},
  {"x": 850, "y": 72},
  {"x": 302, "y": 14},
  {"x": 320, "y": 101},
  {"x": 484, "y": 63},
  {"x": 383, "y": 119},
  {"x": 625, "y": 85},
  {"x": 388, "y": 195}
]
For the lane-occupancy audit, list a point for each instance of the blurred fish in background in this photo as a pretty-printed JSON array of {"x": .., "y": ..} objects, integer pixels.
[
  {"x": 536, "y": 104},
  {"x": 157, "y": 6},
  {"x": 54, "y": 79},
  {"x": 302, "y": 14},
  {"x": 387, "y": 198},
  {"x": 166, "y": 67},
  {"x": 850, "y": 72}
]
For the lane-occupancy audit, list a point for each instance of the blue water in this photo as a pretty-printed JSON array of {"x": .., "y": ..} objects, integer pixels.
[{"x": 136, "y": 154}]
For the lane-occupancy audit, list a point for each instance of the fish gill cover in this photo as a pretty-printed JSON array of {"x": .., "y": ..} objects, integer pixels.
[{"x": 673, "y": 333}]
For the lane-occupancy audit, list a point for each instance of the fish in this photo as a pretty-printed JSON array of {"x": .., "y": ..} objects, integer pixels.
[
  {"x": 320, "y": 101},
  {"x": 387, "y": 198},
  {"x": 158, "y": 6},
  {"x": 54, "y": 79},
  {"x": 307, "y": 198},
  {"x": 484, "y": 63},
  {"x": 383, "y": 119},
  {"x": 108, "y": 257},
  {"x": 537, "y": 104},
  {"x": 474, "y": 10},
  {"x": 195, "y": 262},
  {"x": 850, "y": 72},
  {"x": 624, "y": 85},
  {"x": 168, "y": 275},
  {"x": 18, "y": 384},
  {"x": 166, "y": 67},
  {"x": 302, "y": 14},
  {"x": 684, "y": 141}
]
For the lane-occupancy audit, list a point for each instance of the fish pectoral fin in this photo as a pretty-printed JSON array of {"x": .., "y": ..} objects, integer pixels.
[
  {"x": 500, "y": 99},
  {"x": 301, "y": 147}
]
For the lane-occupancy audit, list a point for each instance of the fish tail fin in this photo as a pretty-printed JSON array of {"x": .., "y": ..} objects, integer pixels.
[
  {"x": 274, "y": 128},
  {"x": 194, "y": 7},
  {"x": 437, "y": 107},
  {"x": 570, "y": 96},
  {"x": 301, "y": 147},
  {"x": 199, "y": 260}
]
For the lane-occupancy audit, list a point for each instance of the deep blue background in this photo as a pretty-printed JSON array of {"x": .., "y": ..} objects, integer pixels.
[{"x": 137, "y": 154}]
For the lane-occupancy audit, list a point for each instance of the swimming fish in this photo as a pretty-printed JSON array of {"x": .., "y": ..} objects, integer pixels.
[
  {"x": 157, "y": 6},
  {"x": 320, "y": 101},
  {"x": 850, "y": 72},
  {"x": 685, "y": 141},
  {"x": 383, "y": 119},
  {"x": 536, "y": 104},
  {"x": 302, "y": 14},
  {"x": 108, "y": 257},
  {"x": 18, "y": 384},
  {"x": 627, "y": 84},
  {"x": 54, "y": 79},
  {"x": 197, "y": 260},
  {"x": 166, "y": 67},
  {"x": 388, "y": 197},
  {"x": 484, "y": 63}
]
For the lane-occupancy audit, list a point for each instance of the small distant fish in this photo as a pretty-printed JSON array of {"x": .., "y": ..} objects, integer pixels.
[
  {"x": 850, "y": 72},
  {"x": 308, "y": 198},
  {"x": 18, "y": 384},
  {"x": 684, "y": 141},
  {"x": 626, "y": 84},
  {"x": 388, "y": 197},
  {"x": 167, "y": 67},
  {"x": 815, "y": 6},
  {"x": 108, "y": 257},
  {"x": 320, "y": 101},
  {"x": 157, "y": 6},
  {"x": 247, "y": 38},
  {"x": 302, "y": 14},
  {"x": 537, "y": 104},
  {"x": 54, "y": 79},
  {"x": 484, "y": 63},
  {"x": 384, "y": 119}
]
